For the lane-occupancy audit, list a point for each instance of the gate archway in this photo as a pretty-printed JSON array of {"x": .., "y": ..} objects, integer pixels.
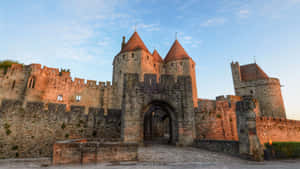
[{"x": 159, "y": 123}]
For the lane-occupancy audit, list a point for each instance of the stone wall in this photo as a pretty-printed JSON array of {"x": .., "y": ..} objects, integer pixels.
[
  {"x": 33, "y": 83},
  {"x": 230, "y": 147},
  {"x": 216, "y": 119},
  {"x": 32, "y": 131},
  {"x": 90, "y": 151},
  {"x": 277, "y": 130}
]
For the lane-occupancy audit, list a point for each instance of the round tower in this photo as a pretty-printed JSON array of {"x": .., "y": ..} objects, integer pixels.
[
  {"x": 134, "y": 57},
  {"x": 178, "y": 62}
]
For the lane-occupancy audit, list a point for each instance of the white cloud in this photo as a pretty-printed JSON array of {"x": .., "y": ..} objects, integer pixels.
[
  {"x": 214, "y": 22},
  {"x": 243, "y": 13},
  {"x": 147, "y": 27}
]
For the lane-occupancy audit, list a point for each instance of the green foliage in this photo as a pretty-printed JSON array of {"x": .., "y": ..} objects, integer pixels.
[
  {"x": 5, "y": 64},
  {"x": 67, "y": 135},
  {"x": 8, "y": 132},
  {"x": 14, "y": 148},
  {"x": 284, "y": 149},
  {"x": 63, "y": 126},
  {"x": 63, "y": 70},
  {"x": 219, "y": 116}
]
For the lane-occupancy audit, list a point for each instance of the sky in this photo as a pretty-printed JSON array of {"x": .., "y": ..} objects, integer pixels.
[{"x": 85, "y": 35}]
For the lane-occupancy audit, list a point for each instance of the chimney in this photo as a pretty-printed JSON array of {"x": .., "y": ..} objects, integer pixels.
[{"x": 123, "y": 42}]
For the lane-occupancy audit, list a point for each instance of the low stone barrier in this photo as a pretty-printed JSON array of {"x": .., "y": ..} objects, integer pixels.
[
  {"x": 230, "y": 147},
  {"x": 92, "y": 151}
]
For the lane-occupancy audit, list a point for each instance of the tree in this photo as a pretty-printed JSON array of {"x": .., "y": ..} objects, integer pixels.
[{"x": 5, "y": 64}]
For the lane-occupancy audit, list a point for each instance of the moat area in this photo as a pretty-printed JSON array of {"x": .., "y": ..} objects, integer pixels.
[{"x": 163, "y": 157}]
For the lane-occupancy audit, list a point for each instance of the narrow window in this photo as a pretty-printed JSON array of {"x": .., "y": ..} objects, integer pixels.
[
  {"x": 147, "y": 57},
  {"x": 78, "y": 98},
  {"x": 31, "y": 83},
  {"x": 13, "y": 84},
  {"x": 154, "y": 65},
  {"x": 59, "y": 98},
  {"x": 132, "y": 55},
  {"x": 123, "y": 56}
]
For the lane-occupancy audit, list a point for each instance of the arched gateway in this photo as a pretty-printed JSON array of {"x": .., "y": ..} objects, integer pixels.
[
  {"x": 160, "y": 123},
  {"x": 157, "y": 111}
]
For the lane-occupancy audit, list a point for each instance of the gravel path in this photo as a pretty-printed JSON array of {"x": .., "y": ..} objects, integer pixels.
[{"x": 163, "y": 157}]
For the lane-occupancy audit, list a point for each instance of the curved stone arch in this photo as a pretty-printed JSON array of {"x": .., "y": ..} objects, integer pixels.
[{"x": 166, "y": 107}]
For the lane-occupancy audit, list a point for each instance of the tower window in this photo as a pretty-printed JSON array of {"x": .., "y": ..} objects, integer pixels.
[
  {"x": 31, "y": 83},
  {"x": 59, "y": 98},
  {"x": 78, "y": 98},
  {"x": 13, "y": 84}
]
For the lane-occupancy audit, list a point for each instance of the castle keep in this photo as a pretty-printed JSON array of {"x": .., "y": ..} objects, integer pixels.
[{"x": 150, "y": 99}]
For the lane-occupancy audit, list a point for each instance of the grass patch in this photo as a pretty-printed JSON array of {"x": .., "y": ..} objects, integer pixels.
[{"x": 284, "y": 149}]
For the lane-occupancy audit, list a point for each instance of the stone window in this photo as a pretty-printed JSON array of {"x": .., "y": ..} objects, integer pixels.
[
  {"x": 147, "y": 57},
  {"x": 59, "y": 98},
  {"x": 181, "y": 63},
  {"x": 78, "y": 98},
  {"x": 31, "y": 83},
  {"x": 132, "y": 55},
  {"x": 154, "y": 65},
  {"x": 123, "y": 56},
  {"x": 13, "y": 84}
]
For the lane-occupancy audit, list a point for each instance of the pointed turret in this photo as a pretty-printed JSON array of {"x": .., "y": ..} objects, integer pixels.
[
  {"x": 176, "y": 52},
  {"x": 156, "y": 56},
  {"x": 134, "y": 43}
]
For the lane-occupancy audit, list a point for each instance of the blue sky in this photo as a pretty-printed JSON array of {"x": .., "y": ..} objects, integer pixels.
[{"x": 85, "y": 35}]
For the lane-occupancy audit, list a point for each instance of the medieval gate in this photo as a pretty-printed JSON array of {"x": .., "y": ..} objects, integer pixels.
[{"x": 148, "y": 100}]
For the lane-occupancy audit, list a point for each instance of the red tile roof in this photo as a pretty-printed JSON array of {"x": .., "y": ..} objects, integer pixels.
[
  {"x": 176, "y": 52},
  {"x": 134, "y": 43},
  {"x": 252, "y": 72},
  {"x": 156, "y": 56}
]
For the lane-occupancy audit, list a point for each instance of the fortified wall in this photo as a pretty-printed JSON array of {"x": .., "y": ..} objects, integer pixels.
[
  {"x": 217, "y": 120},
  {"x": 33, "y": 83},
  {"x": 32, "y": 131}
]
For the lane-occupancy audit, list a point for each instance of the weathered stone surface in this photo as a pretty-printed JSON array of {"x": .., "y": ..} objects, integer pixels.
[{"x": 91, "y": 151}]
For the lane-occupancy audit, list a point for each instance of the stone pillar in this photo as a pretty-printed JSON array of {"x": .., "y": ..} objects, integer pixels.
[
  {"x": 131, "y": 107},
  {"x": 249, "y": 144}
]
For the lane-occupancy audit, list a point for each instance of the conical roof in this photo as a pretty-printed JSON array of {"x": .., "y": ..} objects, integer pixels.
[
  {"x": 134, "y": 43},
  {"x": 176, "y": 52},
  {"x": 156, "y": 56}
]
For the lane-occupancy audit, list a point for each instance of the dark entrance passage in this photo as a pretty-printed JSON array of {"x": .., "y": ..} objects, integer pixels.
[{"x": 159, "y": 124}]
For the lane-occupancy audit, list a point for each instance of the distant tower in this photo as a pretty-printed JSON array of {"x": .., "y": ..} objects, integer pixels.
[
  {"x": 178, "y": 62},
  {"x": 252, "y": 80}
]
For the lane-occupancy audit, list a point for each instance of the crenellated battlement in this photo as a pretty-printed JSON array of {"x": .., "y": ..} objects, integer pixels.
[{"x": 59, "y": 110}]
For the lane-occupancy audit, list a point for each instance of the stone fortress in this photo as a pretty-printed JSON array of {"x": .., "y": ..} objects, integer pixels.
[{"x": 150, "y": 99}]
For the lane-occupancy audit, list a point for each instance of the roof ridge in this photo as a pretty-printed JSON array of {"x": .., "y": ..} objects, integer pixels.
[
  {"x": 176, "y": 52},
  {"x": 135, "y": 42}
]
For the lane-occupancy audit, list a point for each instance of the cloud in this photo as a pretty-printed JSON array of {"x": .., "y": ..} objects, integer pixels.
[
  {"x": 214, "y": 22},
  {"x": 147, "y": 27},
  {"x": 243, "y": 13}
]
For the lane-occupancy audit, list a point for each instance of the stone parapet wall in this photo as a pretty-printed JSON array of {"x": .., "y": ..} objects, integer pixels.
[
  {"x": 277, "y": 130},
  {"x": 230, "y": 147},
  {"x": 91, "y": 151},
  {"x": 32, "y": 131}
]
